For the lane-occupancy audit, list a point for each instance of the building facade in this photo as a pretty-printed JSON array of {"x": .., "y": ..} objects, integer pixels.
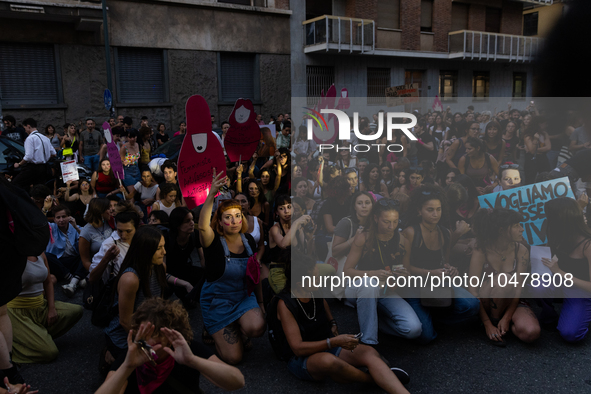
[
  {"x": 465, "y": 48},
  {"x": 53, "y": 67}
]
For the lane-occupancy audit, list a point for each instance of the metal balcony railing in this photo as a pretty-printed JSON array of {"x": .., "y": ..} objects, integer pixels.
[
  {"x": 339, "y": 33},
  {"x": 492, "y": 46},
  {"x": 536, "y": 2}
]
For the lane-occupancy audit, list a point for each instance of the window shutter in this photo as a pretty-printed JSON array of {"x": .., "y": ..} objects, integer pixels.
[
  {"x": 141, "y": 75},
  {"x": 237, "y": 76},
  {"x": 28, "y": 74}
]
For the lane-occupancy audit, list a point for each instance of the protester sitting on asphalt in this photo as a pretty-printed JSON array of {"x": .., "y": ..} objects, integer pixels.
[
  {"x": 38, "y": 320},
  {"x": 78, "y": 202},
  {"x": 107, "y": 261},
  {"x": 379, "y": 251},
  {"x": 169, "y": 196},
  {"x": 348, "y": 227},
  {"x": 499, "y": 252},
  {"x": 103, "y": 180},
  {"x": 158, "y": 217},
  {"x": 62, "y": 250},
  {"x": 570, "y": 241},
  {"x": 175, "y": 362},
  {"x": 231, "y": 312},
  {"x": 145, "y": 191},
  {"x": 430, "y": 245},
  {"x": 142, "y": 275},
  {"x": 100, "y": 226},
  {"x": 307, "y": 338},
  {"x": 181, "y": 241}
]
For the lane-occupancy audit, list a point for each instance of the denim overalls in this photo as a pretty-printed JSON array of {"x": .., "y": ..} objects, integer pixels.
[{"x": 226, "y": 300}]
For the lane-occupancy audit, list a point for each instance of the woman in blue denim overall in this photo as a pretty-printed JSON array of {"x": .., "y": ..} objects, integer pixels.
[{"x": 230, "y": 310}]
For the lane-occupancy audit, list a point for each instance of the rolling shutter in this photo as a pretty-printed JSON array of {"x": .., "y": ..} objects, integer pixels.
[
  {"x": 237, "y": 76},
  {"x": 28, "y": 74},
  {"x": 140, "y": 75}
]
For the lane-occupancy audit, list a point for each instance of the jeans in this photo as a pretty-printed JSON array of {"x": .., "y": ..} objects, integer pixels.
[
  {"x": 92, "y": 162},
  {"x": 465, "y": 307},
  {"x": 63, "y": 266},
  {"x": 575, "y": 315},
  {"x": 390, "y": 314},
  {"x": 552, "y": 156}
]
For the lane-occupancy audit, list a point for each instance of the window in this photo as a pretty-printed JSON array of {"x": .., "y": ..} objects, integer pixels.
[
  {"x": 492, "y": 20},
  {"x": 448, "y": 85},
  {"x": 241, "y": 2},
  {"x": 414, "y": 77},
  {"x": 388, "y": 14},
  {"x": 519, "y": 85},
  {"x": 378, "y": 79},
  {"x": 530, "y": 24},
  {"x": 319, "y": 78},
  {"x": 459, "y": 16},
  {"x": 427, "y": 15},
  {"x": 141, "y": 75},
  {"x": 238, "y": 73},
  {"x": 480, "y": 85},
  {"x": 29, "y": 75}
]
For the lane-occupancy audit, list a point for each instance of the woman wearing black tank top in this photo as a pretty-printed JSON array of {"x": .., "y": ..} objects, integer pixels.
[
  {"x": 378, "y": 253},
  {"x": 570, "y": 240},
  {"x": 499, "y": 255},
  {"x": 308, "y": 339},
  {"x": 429, "y": 256}
]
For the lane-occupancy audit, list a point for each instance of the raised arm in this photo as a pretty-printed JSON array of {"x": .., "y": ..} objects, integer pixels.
[{"x": 206, "y": 233}]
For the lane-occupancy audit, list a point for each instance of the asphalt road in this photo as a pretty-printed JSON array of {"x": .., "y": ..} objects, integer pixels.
[{"x": 458, "y": 361}]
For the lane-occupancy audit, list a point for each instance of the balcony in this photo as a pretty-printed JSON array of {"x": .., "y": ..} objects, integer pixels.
[
  {"x": 476, "y": 45},
  {"x": 329, "y": 33},
  {"x": 536, "y": 2}
]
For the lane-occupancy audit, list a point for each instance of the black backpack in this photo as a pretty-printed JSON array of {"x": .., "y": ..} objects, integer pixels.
[{"x": 30, "y": 227}]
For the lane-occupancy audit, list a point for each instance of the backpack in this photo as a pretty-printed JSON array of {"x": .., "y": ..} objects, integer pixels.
[{"x": 27, "y": 222}]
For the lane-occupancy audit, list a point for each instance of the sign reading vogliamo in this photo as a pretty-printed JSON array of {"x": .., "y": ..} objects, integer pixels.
[{"x": 529, "y": 202}]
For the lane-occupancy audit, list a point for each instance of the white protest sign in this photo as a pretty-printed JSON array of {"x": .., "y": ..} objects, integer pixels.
[{"x": 69, "y": 171}]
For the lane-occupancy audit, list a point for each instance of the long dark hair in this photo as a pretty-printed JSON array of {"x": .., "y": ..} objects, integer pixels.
[
  {"x": 565, "y": 223},
  {"x": 139, "y": 257},
  {"x": 176, "y": 219},
  {"x": 376, "y": 211},
  {"x": 468, "y": 183},
  {"x": 488, "y": 224},
  {"x": 420, "y": 196},
  {"x": 499, "y": 138},
  {"x": 354, "y": 201},
  {"x": 365, "y": 176}
]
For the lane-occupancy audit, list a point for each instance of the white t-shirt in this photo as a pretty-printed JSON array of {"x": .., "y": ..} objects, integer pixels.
[
  {"x": 146, "y": 192},
  {"x": 116, "y": 262}
]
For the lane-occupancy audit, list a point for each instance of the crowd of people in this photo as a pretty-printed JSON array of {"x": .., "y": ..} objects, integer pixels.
[{"x": 131, "y": 245}]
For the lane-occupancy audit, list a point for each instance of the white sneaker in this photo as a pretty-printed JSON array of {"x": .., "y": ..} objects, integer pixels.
[
  {"x": 82, "y": 283},
  {"x": 69, "y": 290}
]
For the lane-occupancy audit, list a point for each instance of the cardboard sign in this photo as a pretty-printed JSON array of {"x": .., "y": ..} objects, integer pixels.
[
  {"x": 200, "y": 153},
  {"x": 403, "y": 94},
  {"x": 437, "y": 106},
  {"x": 244, "y": 133},
  {"x": 69, "y": 171},
  {"x": 529, "y": 202},
  {"x": 113, "y": 150}
]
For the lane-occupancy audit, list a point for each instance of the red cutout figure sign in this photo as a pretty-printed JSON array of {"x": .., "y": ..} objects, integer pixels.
[
  {"x": 201, "y": 152},
  {"x": 244, "y": 134}
]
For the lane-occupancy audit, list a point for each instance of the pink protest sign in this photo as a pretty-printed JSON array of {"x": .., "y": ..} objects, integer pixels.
[
  {"x": 114, "y": 157},
  {"x": 437, "y": 106},
  {"x": 244, "y": 134},
  {"x": 201, "y": 152}
]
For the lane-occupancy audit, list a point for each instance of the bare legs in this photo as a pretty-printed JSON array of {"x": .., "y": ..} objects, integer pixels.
[{"x": 229, "y": 340}]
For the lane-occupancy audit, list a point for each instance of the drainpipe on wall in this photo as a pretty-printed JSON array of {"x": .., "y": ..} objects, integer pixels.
[{"x": 107, "y": 51}]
